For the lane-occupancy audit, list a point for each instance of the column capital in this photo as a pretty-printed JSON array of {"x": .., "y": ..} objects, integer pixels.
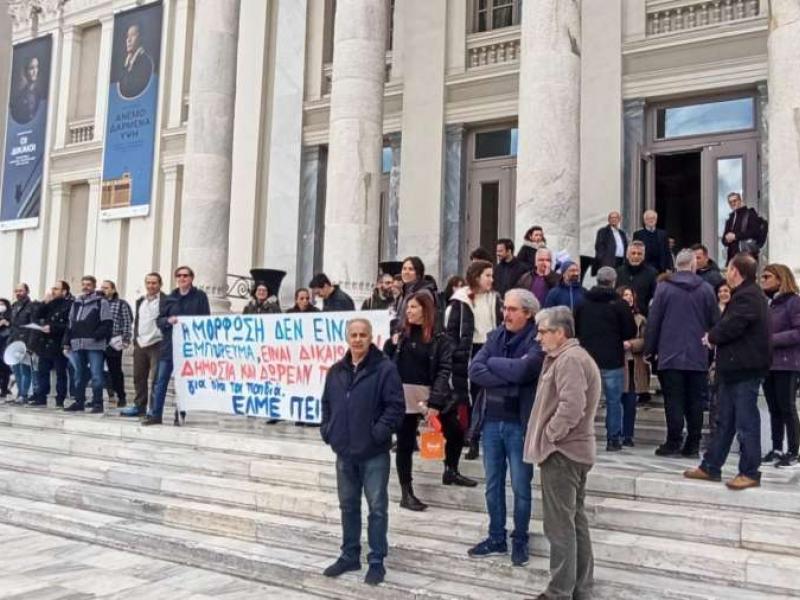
[
  {"x": 455, "y": 131},
  {"x": 170, "y": 170}
]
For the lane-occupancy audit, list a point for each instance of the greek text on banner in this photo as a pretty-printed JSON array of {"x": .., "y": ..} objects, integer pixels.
[{"x": 271, "y": 366}]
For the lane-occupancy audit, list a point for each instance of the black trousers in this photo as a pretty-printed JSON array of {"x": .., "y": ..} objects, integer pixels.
[
  {"x": 115, "y": 374},
  {"x": 684, "y": 393},
  {"x": 780, "y": 389},
  {"x": 406, "y": 442},
  {"x": 453, "y": 438},
  {"x": 5, "y": 377}
]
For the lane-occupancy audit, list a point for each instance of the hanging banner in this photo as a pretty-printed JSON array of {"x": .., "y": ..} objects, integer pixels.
[
  {"x": 129, "y": 148},
  {"x": 270, "y": 366},
  {"x": 26, "y": 132}
]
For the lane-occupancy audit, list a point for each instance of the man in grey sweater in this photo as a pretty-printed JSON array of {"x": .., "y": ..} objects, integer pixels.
[{"x": 561, "y": 441}]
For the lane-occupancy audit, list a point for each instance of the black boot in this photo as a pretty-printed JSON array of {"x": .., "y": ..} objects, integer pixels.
[
  {"x": 453, "y": 477},
  {"x": 409, "y": 500}
]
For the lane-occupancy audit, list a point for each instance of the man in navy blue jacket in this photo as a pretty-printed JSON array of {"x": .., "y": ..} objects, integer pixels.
[
  {"x": 362, "y": 405},
  {"x": 507, "y": 368}
]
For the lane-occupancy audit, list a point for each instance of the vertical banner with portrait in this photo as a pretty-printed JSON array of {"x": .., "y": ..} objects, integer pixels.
[
  {"x": 26, "y": 131},
  {"x": 129, "y": 149}
]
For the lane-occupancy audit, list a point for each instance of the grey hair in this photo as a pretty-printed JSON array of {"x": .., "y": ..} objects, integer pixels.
[
  {"x": 527, "y": 300},
  {"x": 686, "y": 261},
  {"x": 359, "y": 320},
  {"x": 544, "y": 250},
  {"x": 637, "y": 244},
  {"x": 557, "y": 317},
  {"x": 606, "y": 277}
]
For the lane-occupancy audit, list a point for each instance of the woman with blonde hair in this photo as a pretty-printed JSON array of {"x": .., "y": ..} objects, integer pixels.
[{"x": 780, "y": 385}]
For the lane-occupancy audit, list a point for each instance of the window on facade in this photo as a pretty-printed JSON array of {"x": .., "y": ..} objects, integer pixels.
[
  {"x": 495, "y": 144},
  {"x": 496, "y": 14},
  {"x": 709, "y": 117},
  {"x": 85, "y": 91}
]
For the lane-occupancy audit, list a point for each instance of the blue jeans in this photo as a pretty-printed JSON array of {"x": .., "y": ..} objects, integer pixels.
[
  {"x": 163, "y": 373},
  {"x": 63, "y": 377},
  {"x": 629, "y": 400},
  {"x": 22, "y": 374},
  {"x": 371, "y": 476},
  {"x": 738, "y": 416},
  {"x": 613, "y": 381},
  {"x": 95, "y": 359},
  {"x": 503, "y": 443}
]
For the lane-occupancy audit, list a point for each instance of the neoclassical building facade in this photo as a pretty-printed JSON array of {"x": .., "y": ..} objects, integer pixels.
[{"x": 312, "y": 135}]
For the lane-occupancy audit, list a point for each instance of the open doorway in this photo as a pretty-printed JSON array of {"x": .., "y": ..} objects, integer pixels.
[{"x": 678, "y": 200}]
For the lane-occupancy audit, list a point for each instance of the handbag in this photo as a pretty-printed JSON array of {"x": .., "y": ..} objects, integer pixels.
[
  {"x": 416, "y": 397},
  {"x": 431, "y": 440}
]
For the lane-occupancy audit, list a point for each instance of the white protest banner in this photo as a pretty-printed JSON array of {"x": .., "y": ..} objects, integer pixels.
[{"x": 270, "y": 366}]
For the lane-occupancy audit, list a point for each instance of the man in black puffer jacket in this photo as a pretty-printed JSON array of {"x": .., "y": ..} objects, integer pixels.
[
  {"x": 744, "y": 356},
  {"x": 53, "y": 316},
  {"x": 603, "y": 323},
  {"x": 362, "y": 405}
]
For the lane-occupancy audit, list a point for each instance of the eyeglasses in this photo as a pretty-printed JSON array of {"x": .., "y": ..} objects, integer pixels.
[
  {"x": 511, "y": 309},
  {"x": 767, "y": 276},
  {"x": 543, "y": 331},
  {"x": 180, "y": 275}
]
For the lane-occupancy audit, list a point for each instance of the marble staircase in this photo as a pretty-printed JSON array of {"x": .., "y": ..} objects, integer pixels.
[{"x": 259, "y": 502}]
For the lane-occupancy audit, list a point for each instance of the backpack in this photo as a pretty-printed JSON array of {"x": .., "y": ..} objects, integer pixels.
[{"x": 763, "y": 227}]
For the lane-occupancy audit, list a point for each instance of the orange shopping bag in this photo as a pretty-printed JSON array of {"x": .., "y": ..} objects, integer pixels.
[{"x": 431, "y": 440}]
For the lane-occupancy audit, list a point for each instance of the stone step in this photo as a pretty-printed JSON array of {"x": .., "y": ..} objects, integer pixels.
[
  {"x": 237, "y": 480},
  {"x": 633, "y": 473},
  {"x": 297, "y": 569},
  {"x": 434, "y": 554}
]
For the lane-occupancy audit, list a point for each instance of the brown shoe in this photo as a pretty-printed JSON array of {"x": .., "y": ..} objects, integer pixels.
[
  {"x": 698, "y": 473},
  {"x": 742, "y": 482}
]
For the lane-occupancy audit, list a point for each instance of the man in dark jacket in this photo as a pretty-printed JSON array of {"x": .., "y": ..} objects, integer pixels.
[
  {"x": 508, "y": 269},
  {"x": 683, "y": 311},
  {"x": 22, "y": 313},
  {"x": 569, "y": 292},
  {"x": 742, "y": 228},
  {"x": 610, "y": 244},
  {"x": 656, "y": 241},
  {"x": 362, "y": 405},
  {"x": 86, "y": 338},
  {"x": 507, "y": 368},
  {"x": 333, "y": 298},
  {"x": 637, "y": 274},
  {"x": 744, "y": 356},
  {"x": 707, "y": 269},
  {"x": 382, "y": 297},
  {"x": 53, "y": 316},
  {"x": 603, "y": 322},
  {"x": 185, "y": 301}
]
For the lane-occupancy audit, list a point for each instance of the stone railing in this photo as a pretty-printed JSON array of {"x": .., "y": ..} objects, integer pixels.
[
  {"x": 81, "y": 131},
  {"x": 327, "y": 74},
  {"x": 239, "y": 286},
  {"x": 670, "y": 16},
  {"x": 493, "y": 47}
]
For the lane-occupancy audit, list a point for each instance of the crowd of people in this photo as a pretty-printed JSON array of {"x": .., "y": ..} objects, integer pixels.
[{"x": 511, "y": 360}]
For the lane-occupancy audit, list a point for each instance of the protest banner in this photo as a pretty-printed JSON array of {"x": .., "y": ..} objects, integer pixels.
[{"x": 270, "y": 366}]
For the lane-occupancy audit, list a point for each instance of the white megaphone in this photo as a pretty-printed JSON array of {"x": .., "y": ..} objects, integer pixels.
[{"x": 16, "y": 353}]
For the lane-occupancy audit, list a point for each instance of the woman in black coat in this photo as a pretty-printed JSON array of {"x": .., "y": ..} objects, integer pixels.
[
  {"x": 5, "y": 332},
  {"x": 468, "y": 333},
  {"x": 424, "y": 360}
]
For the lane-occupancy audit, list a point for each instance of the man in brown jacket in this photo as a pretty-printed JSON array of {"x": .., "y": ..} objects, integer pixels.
[{"x": 561, "y": 441}]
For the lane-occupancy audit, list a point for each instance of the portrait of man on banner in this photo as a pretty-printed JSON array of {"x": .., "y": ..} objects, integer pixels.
[{"x": 129, "y": 149}]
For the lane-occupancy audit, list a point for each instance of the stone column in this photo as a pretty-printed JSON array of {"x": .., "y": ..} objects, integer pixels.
[
  {"x": 454, "y": 209},
  {"x": 312, "y": 209},
  {"x": 103, "y": 76},
  {"x": 548, "y": 165},
  {"x": 783, "y": 51},
  {"x": 393, "y": 208},
  {"x": 352, "y": 211},
  {"x": 170, "y": 219},
  {"x": 633, "y": 125},
  {"x": 205, "y": 212}
]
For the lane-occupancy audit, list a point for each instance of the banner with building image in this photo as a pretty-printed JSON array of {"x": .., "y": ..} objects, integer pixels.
[
  {"x": 130, "y": 137},
  {"x": 25, "y": 149}
]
